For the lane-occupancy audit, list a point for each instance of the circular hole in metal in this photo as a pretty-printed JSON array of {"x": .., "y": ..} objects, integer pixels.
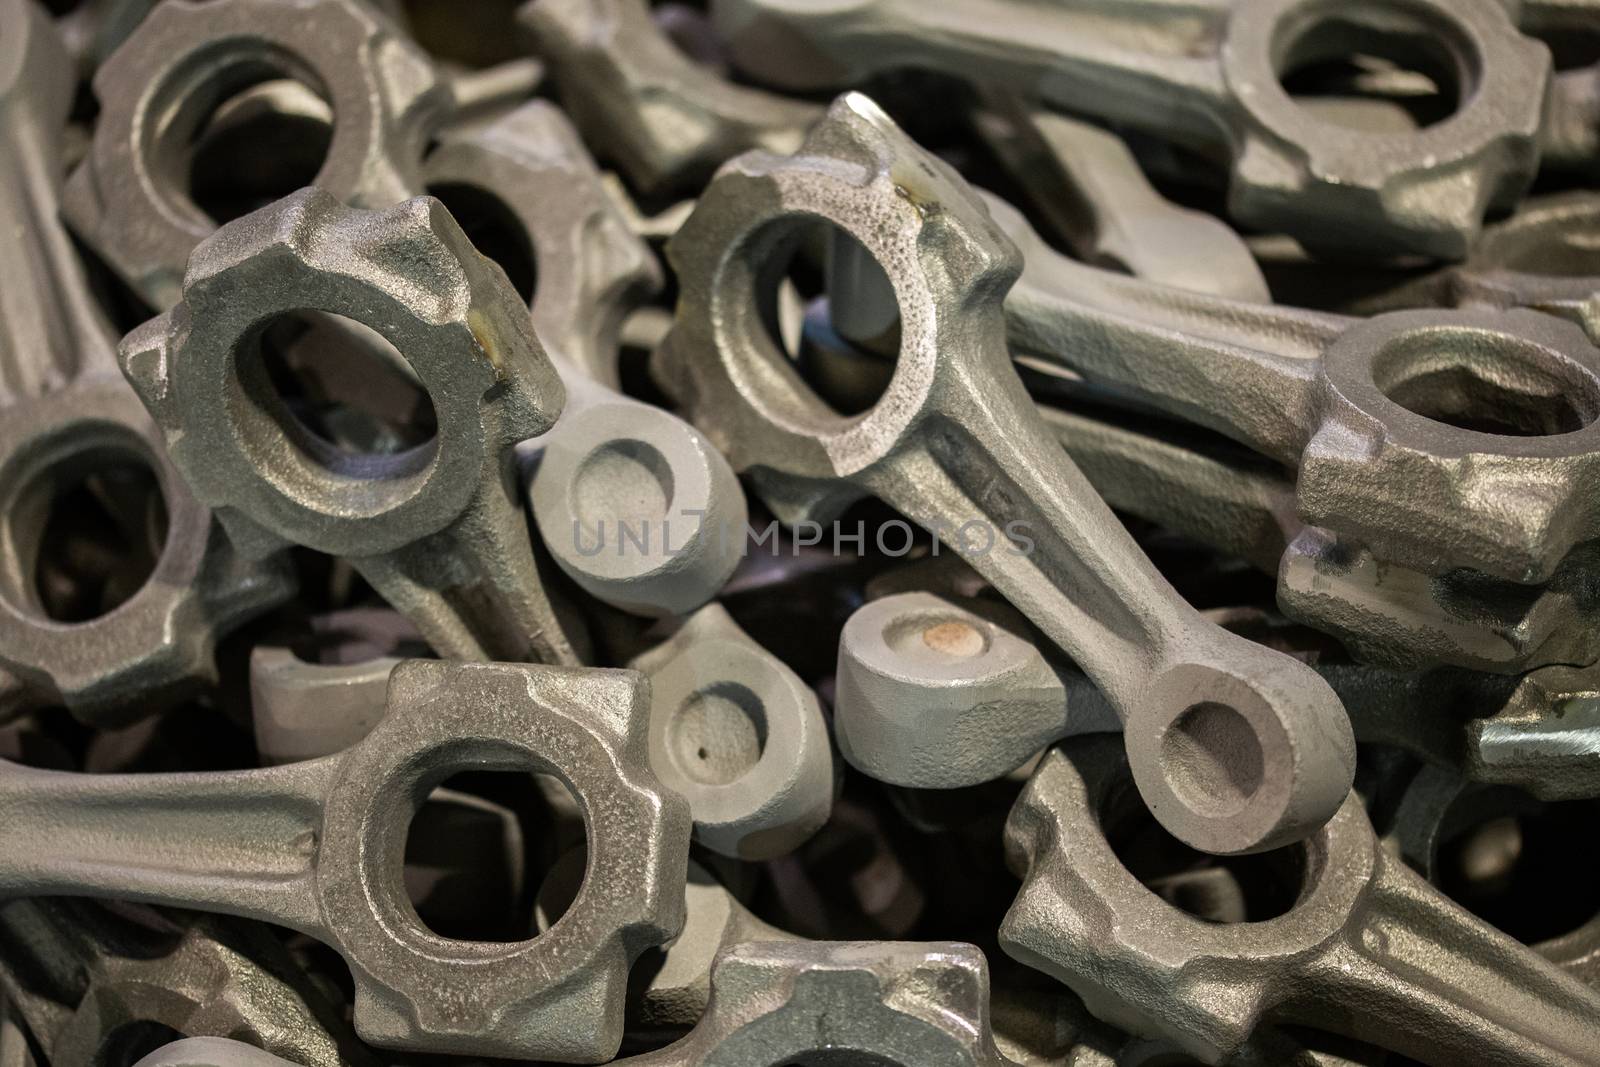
[
  {"x": 1213, "y": 760},
  {"x": 815, "y": 276},
  {"x": 623, "y": 483},
  {"x": 839, "y": 1057},
  {"x": 1507, "y": 858},
  {"x": 494, "y": 231},
  {"x": 341, "y": 382},
  {"x": 259, "y": 145},
  {"x": 480, "y": 847},
  {"x": 717, "y": 735},
  {"x": 1217, "y": 889},
  {"x": 1378, "y": 69},
  {"x": 1486, "y": 383},
  {"x": 87, "y": 530}
]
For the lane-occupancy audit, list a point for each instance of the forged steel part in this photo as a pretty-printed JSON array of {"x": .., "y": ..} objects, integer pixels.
[
  {"x": 663, "y": 119},
  {"x": 940, "y": 692},
  {"x": 732, "y": 729},
  {"x": 714, "y": 922},
  {"x": 900, "y": 1004},
  {"x": 1381, "y": 417},
  {"x": 1367, "y": 947},
  {"x": 530, "y": 162},
  {"x": 739, "y": 736},
  {"x": 1440, "y": 808},
  {"x": 1208, "y": 75},
  {"x": 1383, "y": 612},
  {"x": 211, "y": 1052},
  {"x": 125, "y": 645},
  {"x": 936, "y": 693},
  {"x": 303, "y": 709},
  {"x": 1087, "y": 182},
  {"x": 317, "y": 847},
  {"x": 89, "y": 982},
  {"x": 437, "y": 528},
  {"x": 129, "y": 199},
  {"x": 1228, "y": 371},
  {"x": 954, "y": 440},
  {"x": 1543, "y": 258},
  {"x": 610, "y": 461}
]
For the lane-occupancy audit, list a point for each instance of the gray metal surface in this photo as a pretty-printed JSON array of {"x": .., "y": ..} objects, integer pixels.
[
  {"x": 610, "y": 461},
  {"x": 87, "y": 981},
  {"x": 317, "y": 847},
  {"x": 938, "y": 693},
  {"x": 665, "y": 121},
  {"x": 1089, "y": 185},
  {"x": 128, "y": 199},
  {"x": 1366, "y": 947},
  {"x": 1379, "y": 417},
  {"x": 953, "y": 440},
  {"x": 66, "y": 415},
  {"x": 893, "y": 1003},
  {"x": 1162, "y": 626},
  {"x": 738, "y": 735},
  {"x": 1207, "y": 75},
  {"x": 437, "y": 529}
]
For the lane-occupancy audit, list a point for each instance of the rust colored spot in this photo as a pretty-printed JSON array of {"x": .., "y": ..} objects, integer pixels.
[{"x": 957, "y": 639}]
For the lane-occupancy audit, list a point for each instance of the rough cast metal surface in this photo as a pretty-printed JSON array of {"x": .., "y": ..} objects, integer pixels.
[
  {"x": 732, "y": 729},
  {"x": 1207, "y": 75},
  {"x": 306, "y": 703},
  {"x": 1088, "y": 184},
  {"x": 318, "y": 846},
  {"x": 893, "y": 1003},
  {"x": 1542, "y": 258},
  {"x": 66, "y": 415},
  {"x": 1376, "y": 415},
  {"x": 714, "y": 923},
  {"x": 610, "y": 461},
  {"x": 1245, "y": 505},
  {"x": 666, "y": 121},
  {"x": 1439, "y": 806},
  {"x": 738, "y": 735},
  {"x": 438, "y": 528},
  {"x": 198, "y": 975},
  {"x": 129, "y": 199},
  {"x": 938, "y": 693},
  {"x": 1366, "y": 948},
  {"x": 955, "y": 440},
  {"x": 531, "y": 160}
]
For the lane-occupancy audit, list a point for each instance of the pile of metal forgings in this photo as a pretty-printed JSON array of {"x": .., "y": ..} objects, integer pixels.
[{"x": 800, "y": 533}]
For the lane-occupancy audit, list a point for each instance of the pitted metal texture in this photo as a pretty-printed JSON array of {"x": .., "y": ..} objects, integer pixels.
[
  {"x": 776, "y": 1003},
  {"x": 185, "y": 59},
  {"x": 116, "y": 974},
  {"x": 317, "y": 847},
  {"x": 1077, "y": 553},
  {"x": 664, "y": 120},
  {"x": 632, "y": 503},
  {"x": 1342, "y": 401},
  {"x": 954, "y": 439},
  {"x": 109, "y": 646},
  {"x": 1208, "y": 75},
  {"x": 732, "y": 729},
  {"x": 1364, "y": 937},
  {"x": 436, "y": 528}
]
